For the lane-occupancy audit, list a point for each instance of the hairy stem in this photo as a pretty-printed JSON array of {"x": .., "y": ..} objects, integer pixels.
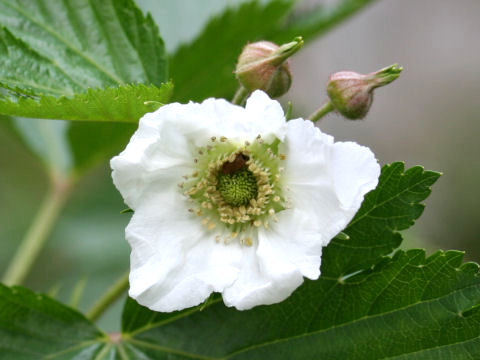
[
  {"x": 38, "y": 232},
  {"x": 112, "y": 295},
  {"x": 240, "y": 96},
  {"x": 321, "y": 112}
]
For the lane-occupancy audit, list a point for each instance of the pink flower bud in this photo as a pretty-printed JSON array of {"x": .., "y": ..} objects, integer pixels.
[
  {"x": 263, "y": 65},
  {"x": 351, "y": 93}
]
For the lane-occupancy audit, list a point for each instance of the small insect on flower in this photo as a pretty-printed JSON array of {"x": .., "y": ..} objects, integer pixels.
[{"x": 233, "y": 200}]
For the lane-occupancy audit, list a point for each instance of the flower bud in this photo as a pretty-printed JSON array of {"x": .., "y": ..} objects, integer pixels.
[
  {"x": 351, "y": 93},
  {"x": 263, "y": 65}
]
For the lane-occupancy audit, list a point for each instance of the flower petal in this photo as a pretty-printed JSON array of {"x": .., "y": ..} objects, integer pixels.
[
  {"x": 258, "y": 284},
  {"x": 166, "y": 141},
  {"x": 175, "y": 262},
  {"x": 327, "y": 180},
  {"x": 265, "y": 116}
]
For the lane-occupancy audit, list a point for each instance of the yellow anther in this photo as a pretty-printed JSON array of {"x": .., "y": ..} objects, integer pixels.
[{"x": 211, "y": 226}]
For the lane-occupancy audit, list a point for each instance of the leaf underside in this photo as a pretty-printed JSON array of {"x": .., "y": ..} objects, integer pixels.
[{"x": 125, "y": 103}]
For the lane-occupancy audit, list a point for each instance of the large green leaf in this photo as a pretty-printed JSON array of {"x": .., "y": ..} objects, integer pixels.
[
  {"x": 394, "y": 205},
  {"x": 60, "y": 47},
  {"x": 406, "y": 306},
  {"x": 79, "y": 60},
  {"x": 36, "y": 327},
  {"x": 55, "y": 52}
]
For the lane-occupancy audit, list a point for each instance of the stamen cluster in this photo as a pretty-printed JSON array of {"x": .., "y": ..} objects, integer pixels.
[{"x": 236, "y": 186}]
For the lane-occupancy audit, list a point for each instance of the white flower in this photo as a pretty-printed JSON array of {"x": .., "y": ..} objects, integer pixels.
[{"x": 233, "y": 200}]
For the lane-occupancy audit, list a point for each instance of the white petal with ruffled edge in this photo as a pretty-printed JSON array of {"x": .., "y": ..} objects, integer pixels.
[
  {"x": 327, "y": 180},
  {"x": 175, "y": 262}
]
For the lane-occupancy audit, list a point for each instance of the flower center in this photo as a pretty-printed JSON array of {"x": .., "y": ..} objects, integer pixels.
[{"x": 235, "y": 188}]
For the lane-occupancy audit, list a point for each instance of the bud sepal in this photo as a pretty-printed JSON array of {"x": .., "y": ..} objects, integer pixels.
[{"x": 351, "y": 93}]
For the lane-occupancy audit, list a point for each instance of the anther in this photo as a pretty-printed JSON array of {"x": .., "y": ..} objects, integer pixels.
[
  {"x": 211, "y": 226},
  {"x": 223, "y": 139},
  {"x": 282, "y": 156},
  {"x": 213, "y": 138}
]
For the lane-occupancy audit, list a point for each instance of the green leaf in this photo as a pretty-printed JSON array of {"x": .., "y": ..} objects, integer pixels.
[
  {"x": 36, "y": 327},
  {"x": 78, "y": 60},
  {"x": 407, "y": 306},
  {"x": 394, "y": 205},
  {"x": 317, "y": 21},
  {"x": 205, "y": 67},
  {"x": 125, "y": 103},
  {"x": 57, "y": 47},
  {"x": 80, "y": 69}
]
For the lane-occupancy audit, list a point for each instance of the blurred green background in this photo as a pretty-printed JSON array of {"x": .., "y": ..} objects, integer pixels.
[{"x": 429, "y": 117}]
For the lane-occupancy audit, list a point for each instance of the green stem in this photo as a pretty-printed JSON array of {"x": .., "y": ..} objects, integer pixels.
[
  {"x": 112, "y": 295},
  {"x": 240, "y": 96},
  {"x": 321, "y": 112},
  {"x": 37, "y": 234}
]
